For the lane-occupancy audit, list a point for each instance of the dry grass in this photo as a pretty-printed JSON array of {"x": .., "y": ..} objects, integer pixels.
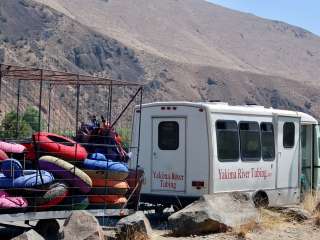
[
  {"x": 242, "y": 231},
  {"x": 310, "y": 201},
  {"x": 268, "y": 219},
  {"x": 317, "y": 218},
  {"x": 271, "y": 219}
]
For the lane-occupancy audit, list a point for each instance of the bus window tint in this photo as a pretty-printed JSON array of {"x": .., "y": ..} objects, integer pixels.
[
  {"x": 250, "y": 141},
  {"x": 288, "y": 134},
  {"x": 227, "y": 141},
  {"x": 168, "y": 135},
  {"x": 267, "y": 141}
]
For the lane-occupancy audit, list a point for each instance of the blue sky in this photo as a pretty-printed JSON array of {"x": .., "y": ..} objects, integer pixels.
[{"x": 302, "y": 13}]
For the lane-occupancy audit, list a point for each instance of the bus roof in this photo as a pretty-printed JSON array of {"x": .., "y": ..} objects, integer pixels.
[{"x": 221, "y": 107}]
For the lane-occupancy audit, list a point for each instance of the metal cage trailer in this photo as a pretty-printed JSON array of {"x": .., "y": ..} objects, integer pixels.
[
  {"x": 189, "y": 149},
  {"x": 37, "y": 103}
]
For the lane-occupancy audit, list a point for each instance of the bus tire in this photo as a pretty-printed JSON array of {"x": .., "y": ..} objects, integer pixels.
[{"x": 260, "y": 199}]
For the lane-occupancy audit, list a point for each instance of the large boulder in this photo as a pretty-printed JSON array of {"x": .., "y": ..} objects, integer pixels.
[
  {"x": 134, "y": 227},
  {"x": 29, "y": 235},
  {"x": 82, "y": 225},
  {"x": 214, "y": 213}
]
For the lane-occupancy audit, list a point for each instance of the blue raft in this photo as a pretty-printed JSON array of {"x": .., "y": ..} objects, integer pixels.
[
  {"x": 106, "y": 169},
  {"x": 29, "y": 179},
  {"x": 11, "y": 168}
]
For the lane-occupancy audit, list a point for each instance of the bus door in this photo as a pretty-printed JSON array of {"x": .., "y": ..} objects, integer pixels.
[{"x": 288, "y": 153}]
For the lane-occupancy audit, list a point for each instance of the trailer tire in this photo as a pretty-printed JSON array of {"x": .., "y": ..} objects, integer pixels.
[
  {"x": 159, "y": 210},
  {"x": 47, "y": 228},
  {"x": 260, "y": 199}
]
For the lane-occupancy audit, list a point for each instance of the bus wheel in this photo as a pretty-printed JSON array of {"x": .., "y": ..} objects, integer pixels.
[{"x": 260, "y": 199}]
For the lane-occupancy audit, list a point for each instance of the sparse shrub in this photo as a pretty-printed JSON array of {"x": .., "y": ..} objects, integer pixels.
[
  {"x": 11, "y": 127},
  {"x": 211, "y": 81},
  {"x": 270, "y": 219},
  {"x": 118, "y": 51},
  {"x": 308, "y": 104},
  {"x": 31, "y": 116},
  {"x": 125, "y": 134},
  {"x": 317, "y": 219},
  {"x": 24, "y": 3},
  {"x": 5, "y": 39},
  {"x": 136, "y": 60},
  {"x": 242, "y": 231},
  {"x": 3, "y": 19},
  {"x": 309, "y": 202}
]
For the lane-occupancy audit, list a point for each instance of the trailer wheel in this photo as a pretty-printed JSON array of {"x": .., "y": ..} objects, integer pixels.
[
  {"x": 159, "y": 210},
  {"x": 48, "y": 228},
  {"x": 260, "y": 199}
]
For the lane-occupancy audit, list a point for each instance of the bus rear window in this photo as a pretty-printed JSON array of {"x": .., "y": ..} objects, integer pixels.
[
  {"x": 168, "y": 135},
  {"x": 227, "y": 141}
]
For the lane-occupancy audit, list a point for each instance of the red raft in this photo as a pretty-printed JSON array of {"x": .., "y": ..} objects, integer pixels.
[{"x": 60, "y": 146}]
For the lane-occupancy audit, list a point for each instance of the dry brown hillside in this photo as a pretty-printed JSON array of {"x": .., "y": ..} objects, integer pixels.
[
  {"x": 183, "y": 49},
  {"x": 197, "y": 32},
  {"x": 37, "y": 36}
]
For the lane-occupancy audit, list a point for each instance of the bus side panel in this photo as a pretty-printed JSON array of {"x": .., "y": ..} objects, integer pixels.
[
  {"x": 198, "y": 158},
  {"x": 242, "y": 175},
  {"x": 144, "y": 150}
]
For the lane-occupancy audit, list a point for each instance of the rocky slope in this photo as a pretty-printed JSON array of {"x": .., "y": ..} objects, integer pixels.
[
  {"x": 37, "y": 36},
  {"x": 182, "y": 49},
  {"x": 197, "y": 32}
]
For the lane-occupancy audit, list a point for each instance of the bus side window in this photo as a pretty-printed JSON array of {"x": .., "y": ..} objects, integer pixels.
[
  {"x": 267, "y": 141},
  {"x": 250, "y": 141},
  {"x": 288, "y": 134},
  {"x": 227, "y": 141}
]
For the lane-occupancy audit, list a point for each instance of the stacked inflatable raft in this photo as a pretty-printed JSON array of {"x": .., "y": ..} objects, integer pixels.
[
  {"x": 109, "y": 184},
  {"x": 60, "y": 175}
]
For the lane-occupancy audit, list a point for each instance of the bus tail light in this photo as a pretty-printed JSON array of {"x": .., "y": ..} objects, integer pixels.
[{"x": 198, "y": 184}]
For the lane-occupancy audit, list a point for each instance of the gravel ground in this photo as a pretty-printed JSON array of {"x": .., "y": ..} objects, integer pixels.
[
  {"x": 292, "y": 231},
  {"x": 272, "y": 226}
]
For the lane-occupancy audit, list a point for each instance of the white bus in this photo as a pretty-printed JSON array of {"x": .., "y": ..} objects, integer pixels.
[{"x": 189, "y": 149}]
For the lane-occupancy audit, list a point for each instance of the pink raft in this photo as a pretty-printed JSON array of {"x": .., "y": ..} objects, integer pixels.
[
  {"x": 11, "y": 147},
  {"x": 7, "y": 202}
]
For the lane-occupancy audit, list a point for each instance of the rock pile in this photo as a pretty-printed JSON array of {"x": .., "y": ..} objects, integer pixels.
[
  {"x": 134, "y": 227},
  {"x": 214, "y": 213}
]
